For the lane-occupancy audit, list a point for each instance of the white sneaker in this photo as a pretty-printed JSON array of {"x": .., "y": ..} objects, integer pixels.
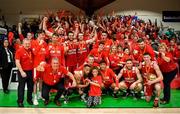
[
  {"x": 35, "y": 102},
  {"x": 83, "y": 98},
  {"x": 62, "y": 96},
  {"x": 39, "y": 95}
]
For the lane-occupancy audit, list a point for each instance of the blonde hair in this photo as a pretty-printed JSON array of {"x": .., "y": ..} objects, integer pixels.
[
  {"x": 112, "y": 47},
  {"x": 163, "y": 45}
]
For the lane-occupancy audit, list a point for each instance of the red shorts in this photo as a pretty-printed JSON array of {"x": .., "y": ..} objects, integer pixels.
[
  {"x": 148, "y": 90},
  {"x": 37, "y": 75},
  {"x": 107, "y": 84},
  {"x": 128, "y": 84}
]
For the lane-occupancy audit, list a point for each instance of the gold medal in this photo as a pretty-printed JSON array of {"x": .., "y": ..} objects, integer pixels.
[{"x": 151, "y": 77}]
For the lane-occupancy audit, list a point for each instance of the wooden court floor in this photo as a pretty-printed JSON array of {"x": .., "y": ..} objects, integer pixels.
[{"x": 89, "y": 111}]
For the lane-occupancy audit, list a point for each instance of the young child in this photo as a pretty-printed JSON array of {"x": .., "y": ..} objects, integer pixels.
[{"x": 95, "y": 88}]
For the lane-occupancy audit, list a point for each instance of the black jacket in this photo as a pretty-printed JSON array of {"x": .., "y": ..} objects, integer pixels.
[{"x": 4, "y": 58}]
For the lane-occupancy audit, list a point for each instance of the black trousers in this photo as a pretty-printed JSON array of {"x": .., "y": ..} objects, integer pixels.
[
  {"x": 5, "y": 75},
  {"x": 46, "y": 89},
  {"x": 21, "y": 86},
  {"x": 168, "y": 77}
]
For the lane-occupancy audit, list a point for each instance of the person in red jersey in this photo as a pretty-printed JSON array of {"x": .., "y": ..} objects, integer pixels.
[
  {"x": 114, "y": 59},
  {"x": 82, "y": 84},
  {"x": 90, "y": 61},
  {"x": 59, "y": 30},
  {"x": 24, "y": 63},
  {"x": 99, "y": 53},
  {"x": 131, "y": 79},
  {"x": 39, "y": 51},
  {"x": 83, "y": 48},
  {"x": 120, "y": 51},
  {"x": 151, "y": 77},
  {"x": 107, "y": 42},
  {"x": 127, "y": 55},
  {"x": 141, "y": 49},
  {"x": 54, "y": 49},
  {"x": 169, "y": 71},
  {"x": 109, "y": 79},
  {"x": 53, "y": 77},
  {"x": 71, "y": 54},
  {"x": 95, "y": 92}
]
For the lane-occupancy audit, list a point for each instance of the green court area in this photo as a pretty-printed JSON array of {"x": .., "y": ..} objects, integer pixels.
[{"x": 9, "y": 100}]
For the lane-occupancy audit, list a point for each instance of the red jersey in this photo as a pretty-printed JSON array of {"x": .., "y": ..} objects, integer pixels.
[
  {"x": 39, "y": 52},
  {"x": 25, "y": 57},
  {"x": 95, "y": 90},
  {"x": 52, "y": 78},
  {"x": 82, "y": 52},
  {"x": 114, "y": 60},
  {"x": 145, "y": 70},
  {"x": 108, "y": 45},
  {"x": 166, "y": 66},
  {"x": 71, "y": 56},
  {"x": 129, "y": 75},
  {"x": 55, "y": 51}
]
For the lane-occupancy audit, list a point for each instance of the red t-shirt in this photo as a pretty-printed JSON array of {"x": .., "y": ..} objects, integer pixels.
[
  {"x": 51, "y": 78},
  {"x": 95, "y": 90},
  {"x": 39, "y": 52},
  {"x": 166, "y": 66},
  {"x": 25, "y": 57},
  {"x": 114, "y": 60},
  {"x": 108, "y": 76},
  {"x": 55, "y": 51}
]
